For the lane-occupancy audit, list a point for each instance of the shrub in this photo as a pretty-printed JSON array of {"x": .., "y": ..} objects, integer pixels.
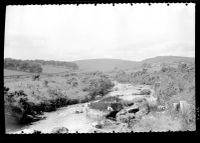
[
  {"x": 18, "y": 104},
  {"x": 46, "y": 83},
  {"x": 97, "y": 85},
  {"x": 189, "y": 119}
]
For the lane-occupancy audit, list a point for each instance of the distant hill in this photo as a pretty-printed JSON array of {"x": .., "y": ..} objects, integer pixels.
[
  {"x": 156, "y": 63},
  {"x": 111, "y": 64},
  {"x": 92, "y": 64},
  {"x": 168, "y": 59},
  {"x": 105, "y": 64}
]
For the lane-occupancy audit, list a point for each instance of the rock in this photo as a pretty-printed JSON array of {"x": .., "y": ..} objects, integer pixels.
[
  {"x": 184, "y": 106},
  {"x": 60, "y": 130},
  {"x": 97, "y": 125},
  {"x": 37, "y": 132},
  {"x": 98, "y": 97},
  {"x": 30, "y": 131},
  {"x": 109, "y": 108},
  {"x": 161, "y": 108},
  {"x": 135, "y": 111},
  {"x": 94, "y": 124},
  {"x": 124, "y": 118},
  {"x": 139, "y": 100},
  {"x": 176, "y": 107},
  {"x": 116, "y": 89},
  {"x": 107, "y": 123},
  {"x": 78, "y": 112},
  {"x": 141, "y": 113},
  {"x": 122, "y": 112},
  {"x": 29, "y": 117},
  {"x": 117, "y": 106},
  {"x": 145, "y": 92},
  {"x": 112, "y": 115}
]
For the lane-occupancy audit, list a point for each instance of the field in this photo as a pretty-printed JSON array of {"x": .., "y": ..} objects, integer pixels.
[
  {"x": 14, "y": 72},
  {"x": 26, "y": 98},
  {"x": 53, "y": 69}
]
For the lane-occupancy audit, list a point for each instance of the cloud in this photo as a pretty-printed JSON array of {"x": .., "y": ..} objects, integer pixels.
[{"x": 123, "y": 32}]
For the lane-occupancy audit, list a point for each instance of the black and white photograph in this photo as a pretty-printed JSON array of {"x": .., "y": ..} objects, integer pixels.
[{"x": 99, "y": 68}]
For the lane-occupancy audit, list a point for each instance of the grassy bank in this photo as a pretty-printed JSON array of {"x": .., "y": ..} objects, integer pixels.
[
  {"x": 171, "y": 85},
  {"x": 25, "y": 99}
]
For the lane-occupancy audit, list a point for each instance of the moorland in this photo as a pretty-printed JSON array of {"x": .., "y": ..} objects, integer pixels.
[{"x": 118, "y": 95}]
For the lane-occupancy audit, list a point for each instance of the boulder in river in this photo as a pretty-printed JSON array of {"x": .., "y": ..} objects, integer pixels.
[
  {"x": 30, "y": 131},
  {"x": 98, "y": 125},
  {"x": 78, "y": 111},
  {"x": 60, "y": 130}
]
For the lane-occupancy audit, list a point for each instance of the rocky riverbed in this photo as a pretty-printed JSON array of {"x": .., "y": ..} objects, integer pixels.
[{"x": 80, "y": 118}]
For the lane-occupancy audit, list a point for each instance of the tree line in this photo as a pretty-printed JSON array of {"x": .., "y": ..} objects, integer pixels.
[
  {"x": 58, "y": 63},
  {"x": 22, "y": 65},
  {"x": 34, "y": 66}
]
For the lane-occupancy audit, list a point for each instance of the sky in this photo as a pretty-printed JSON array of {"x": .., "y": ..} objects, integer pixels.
[{"x": 70, "y": 32}]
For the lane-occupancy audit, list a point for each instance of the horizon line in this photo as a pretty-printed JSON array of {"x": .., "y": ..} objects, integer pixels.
[{"x": 102, "y": 59}]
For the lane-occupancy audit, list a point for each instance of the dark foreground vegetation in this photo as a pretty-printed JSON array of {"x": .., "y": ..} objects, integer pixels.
[{"x": 27, "y": 99}]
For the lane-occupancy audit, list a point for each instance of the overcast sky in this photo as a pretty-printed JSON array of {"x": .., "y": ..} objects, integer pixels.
[{"x": 70, "y": 32}]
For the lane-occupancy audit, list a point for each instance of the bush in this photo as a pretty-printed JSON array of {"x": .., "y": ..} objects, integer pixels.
[
  {"x": 46, "y": 83},
  {"x": 18, "y": 104},
  {"x": 98, "y": 84},
  {"x": 189, "y": 119}
]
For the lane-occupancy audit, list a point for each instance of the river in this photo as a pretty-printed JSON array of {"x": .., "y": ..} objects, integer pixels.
[{"x": 67, "y": 116}]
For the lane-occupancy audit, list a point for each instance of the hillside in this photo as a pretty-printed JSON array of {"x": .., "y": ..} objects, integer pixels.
[
  {"x": 107, "y": 64},
  {"x": 104, "y": 64},
  {"x": 54, "y": 69},
  {"x": 167, "y": 59},
  {"x": 110, "y": 64}
]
